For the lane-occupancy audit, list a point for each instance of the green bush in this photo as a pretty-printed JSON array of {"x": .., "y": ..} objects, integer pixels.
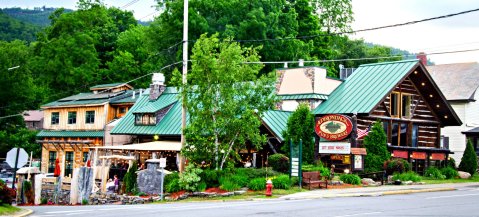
[
  {"x": 279, "y": 162},
  {"x": 130, "y": 178},
  {"x": 190, "y": 178},
  {"x": 350, "y": 179},
  {"x": 240, "y": 179},
  {"x": 202, "y": 186},
  {"x": 408, "y": 176},
  {"x": 281, "y": 182},
  {"x": 44, "y": 200},
  {"x": 434, "y": 173},
  {"x": 172, "y": 183},
  {"x": 228, "y": 184},
  {"x": 451, "y": 163},
  {"x": 313, "y": 168},
  {"x": 211, "y": 177},
  {"x": 469, "y": 159},
  {"x": 252, "y": 173},
  {"x": 83, "y": 201},
  {"x": 449, "y": 172},
  {"x": 396, "y": 165},
  {"x": 257, "y": 184}
]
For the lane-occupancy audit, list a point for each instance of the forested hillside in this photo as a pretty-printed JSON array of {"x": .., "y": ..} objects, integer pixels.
[
  {"x": 11, "y": 29},
  {"x": 38, "y": 16}
]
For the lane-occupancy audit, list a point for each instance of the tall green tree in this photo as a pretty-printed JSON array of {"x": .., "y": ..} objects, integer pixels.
[
  {"x": 376, "y": 147},
  {"x": 300, "y": 126},
  {"x": 224, "y": 99},
  {"x": 469, "y": 159}
]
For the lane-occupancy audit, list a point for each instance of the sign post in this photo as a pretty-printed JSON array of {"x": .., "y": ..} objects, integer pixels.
[
  {"x": 16, "y": 157},
  {"x": 162, "y": 165},
  {"x": 295, "y": 160}
]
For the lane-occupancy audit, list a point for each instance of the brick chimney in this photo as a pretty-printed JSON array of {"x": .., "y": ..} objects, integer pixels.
[
  {"x": 422, "y": 57},
  {"x": 158, "y": 86}
]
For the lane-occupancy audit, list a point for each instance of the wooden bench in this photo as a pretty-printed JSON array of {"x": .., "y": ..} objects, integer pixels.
[{"x": 314, "y": 178}]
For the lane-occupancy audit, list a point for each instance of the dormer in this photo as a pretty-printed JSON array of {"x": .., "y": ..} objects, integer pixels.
[{"x": 110, "y": 88}]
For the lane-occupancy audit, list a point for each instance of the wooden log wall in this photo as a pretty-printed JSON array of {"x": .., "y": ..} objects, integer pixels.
[{"x": 100, "y": 118}]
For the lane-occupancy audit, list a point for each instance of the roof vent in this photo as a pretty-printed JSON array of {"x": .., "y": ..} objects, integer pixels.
[{"x": 158, "y": 78}]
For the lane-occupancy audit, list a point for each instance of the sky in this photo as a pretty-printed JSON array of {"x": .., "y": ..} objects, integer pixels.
[{"x": 441, "y": 35}]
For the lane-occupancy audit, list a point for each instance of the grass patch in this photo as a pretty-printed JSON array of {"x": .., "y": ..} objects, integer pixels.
[
  {"x": 7, "y": 209},
  {"x": 428, "y": 180}
]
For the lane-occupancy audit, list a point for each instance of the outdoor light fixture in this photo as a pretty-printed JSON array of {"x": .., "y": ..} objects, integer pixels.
[
  {"x": 346, "y": 171},
  {"x": 430, "y": 95},
  {"x": 437, "y": 105},
  {"x": 156, "y": 137},
  {"x": 392, "y": 154},
  {"x": 445, "y": 116},
  {"x": 415, "y": 72}
]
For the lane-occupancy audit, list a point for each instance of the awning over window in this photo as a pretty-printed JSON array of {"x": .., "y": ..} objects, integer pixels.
[{"x": 147, "y": 146}]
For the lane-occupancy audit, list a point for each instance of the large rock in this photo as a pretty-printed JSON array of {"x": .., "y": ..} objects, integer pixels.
[
  {"x": 368, "y": 182},
  {"x": 464, "y": 175}
]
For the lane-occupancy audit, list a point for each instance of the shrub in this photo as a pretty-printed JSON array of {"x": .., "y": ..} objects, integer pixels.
[
  {"x": 396, "y": 165},
  {"x": 408, "y": 176},
  {"x": 130, "y": 178},
  {"x": 257, "y": 184},
  {"x": 449, "y": 172},
  {"x": 83, "y": 201},
  {"x": 240, "y": 179},
  {"x": 202, "y": 186},
  {"x": 252, "y": 173},
  {"x": 313, "y": 168},
  {"x": 228, "y": 184},
  {"x": 350, "y": 179},
  {"x": 211, "y": 177},
  {"x": 433, "y": 172},
  {"x": 28, "y": 191},
  {"x": 173, "y": 185},
  {"x": 279, "y": 162},
  {"x": 6, "y": 194},
  {"x": 282, "y": 182},
  {"x": 141, "y": 194},
  {"x": 44, "y": 200},
  {"x": 376, "y": 146},
  {"x": 451, "y": 163},
  {"x": 469, "y": 159},
  {"x": 190, "y": 178}
]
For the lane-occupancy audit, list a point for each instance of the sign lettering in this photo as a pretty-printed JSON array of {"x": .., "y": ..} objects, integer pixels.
[{"x": 333, "y": 127}]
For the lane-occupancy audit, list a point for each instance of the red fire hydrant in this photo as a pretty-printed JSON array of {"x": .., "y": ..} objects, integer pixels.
[{"x": 269, "y": 188}]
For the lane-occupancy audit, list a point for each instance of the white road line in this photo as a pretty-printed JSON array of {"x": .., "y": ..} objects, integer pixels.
[
  {"x": 78, "y": 213},
  {"x": 448, "y": 196},
  {"x": 107, "y": 209},
  {"x": 69, "y": 211},
  {"x": 358, "y": 214}
]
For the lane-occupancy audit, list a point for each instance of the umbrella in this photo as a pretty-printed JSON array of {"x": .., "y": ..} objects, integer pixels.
[{"x": 57, "y": 171}]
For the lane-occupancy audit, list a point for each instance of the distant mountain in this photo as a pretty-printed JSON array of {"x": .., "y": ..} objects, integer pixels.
[
  {"x": 38, "y": 16},
  {"x": 11, "y": 29}
]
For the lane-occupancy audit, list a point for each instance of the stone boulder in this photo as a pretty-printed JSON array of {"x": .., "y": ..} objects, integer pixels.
[
  {"x": 368, "y": 182},
  {"x": 464, "y": 175}
]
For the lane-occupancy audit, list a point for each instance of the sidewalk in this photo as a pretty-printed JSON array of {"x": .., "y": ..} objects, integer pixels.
[{"x": 377, "y": 191}]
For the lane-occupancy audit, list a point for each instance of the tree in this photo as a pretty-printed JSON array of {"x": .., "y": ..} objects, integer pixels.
[
  {"x": 376, "y": 147},
  {"x": 301, "y": 126},
  {"x": 469, "y": 159},
  {"x": 224, "y": 99}
]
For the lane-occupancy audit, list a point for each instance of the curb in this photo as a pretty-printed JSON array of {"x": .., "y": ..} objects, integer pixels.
[
  {"x": 373, "y": 194},
  {"x": 23, "y": 214}
]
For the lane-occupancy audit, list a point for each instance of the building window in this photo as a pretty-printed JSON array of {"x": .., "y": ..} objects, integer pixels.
[
  {"x": 72, "y": 117},
  {"x": 145, "y": 119},
  {"x": 55, "y": 118},
  {"x": 400, "y": 105},
  {"x": 394, "y": 105},
  {"x": 68, "y": 163},
  {"x": 122, "y": 110},
  {"x": 406, "y": 105},
  {"x": 52, "y": 156},
  {"x": 90, "y": 117},
  {"x": 415, "y": 131}
]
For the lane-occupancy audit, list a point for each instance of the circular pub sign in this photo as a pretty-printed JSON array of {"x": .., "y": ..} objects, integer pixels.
[{"x": 333, "y": 127}]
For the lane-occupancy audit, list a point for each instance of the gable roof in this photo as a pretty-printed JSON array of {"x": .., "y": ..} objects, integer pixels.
[
  {"x": 170, "y": 124},
  {"x": 276, "y": 121},
  {"x": 371, "y": 83},
  {"x": 112, "y": 85},
  {"x": 71, "y": 133},
  {"x": 33, "y": 115},
  {"x": 90, "y": 99},
  {"x": 457, "y": 81}
]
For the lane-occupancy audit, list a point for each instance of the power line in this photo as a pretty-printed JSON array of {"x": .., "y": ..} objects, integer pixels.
[
  {"x": 154, "y": 12},
  {"x": 129, "y": 4}
]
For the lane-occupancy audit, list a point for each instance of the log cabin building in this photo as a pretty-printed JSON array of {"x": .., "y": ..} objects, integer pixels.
[
  {"x": 403, "y": 96},
  {"x": 74, "y": 124}
]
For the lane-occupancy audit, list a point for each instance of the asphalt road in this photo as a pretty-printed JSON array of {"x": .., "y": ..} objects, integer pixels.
[{"x": 462, "y": 202}]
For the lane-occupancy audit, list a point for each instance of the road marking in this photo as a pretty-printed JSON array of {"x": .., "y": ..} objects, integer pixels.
[
  {"x": 357, "y": 214},
  {"x": 81, "y": 210},
  {"x": 448, "y": 196},
  {"x": 107, "y": 209}
]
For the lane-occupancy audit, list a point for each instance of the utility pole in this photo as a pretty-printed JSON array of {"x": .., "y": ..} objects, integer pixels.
[{"x": 185, "y": 72}]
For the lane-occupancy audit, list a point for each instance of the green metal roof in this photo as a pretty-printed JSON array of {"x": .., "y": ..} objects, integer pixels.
[
  {"x": 66, "y": 133},
  {"x": 169, "y": 125},
  {"x": 276, "y": 121},
  {"x": 303, "y": 96},
  {"x": 364, "y": 89},
  {"x": 106, "y": 85},
  {"x": 92, "y": 99},
  {"x": 166, "y": 100}
]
